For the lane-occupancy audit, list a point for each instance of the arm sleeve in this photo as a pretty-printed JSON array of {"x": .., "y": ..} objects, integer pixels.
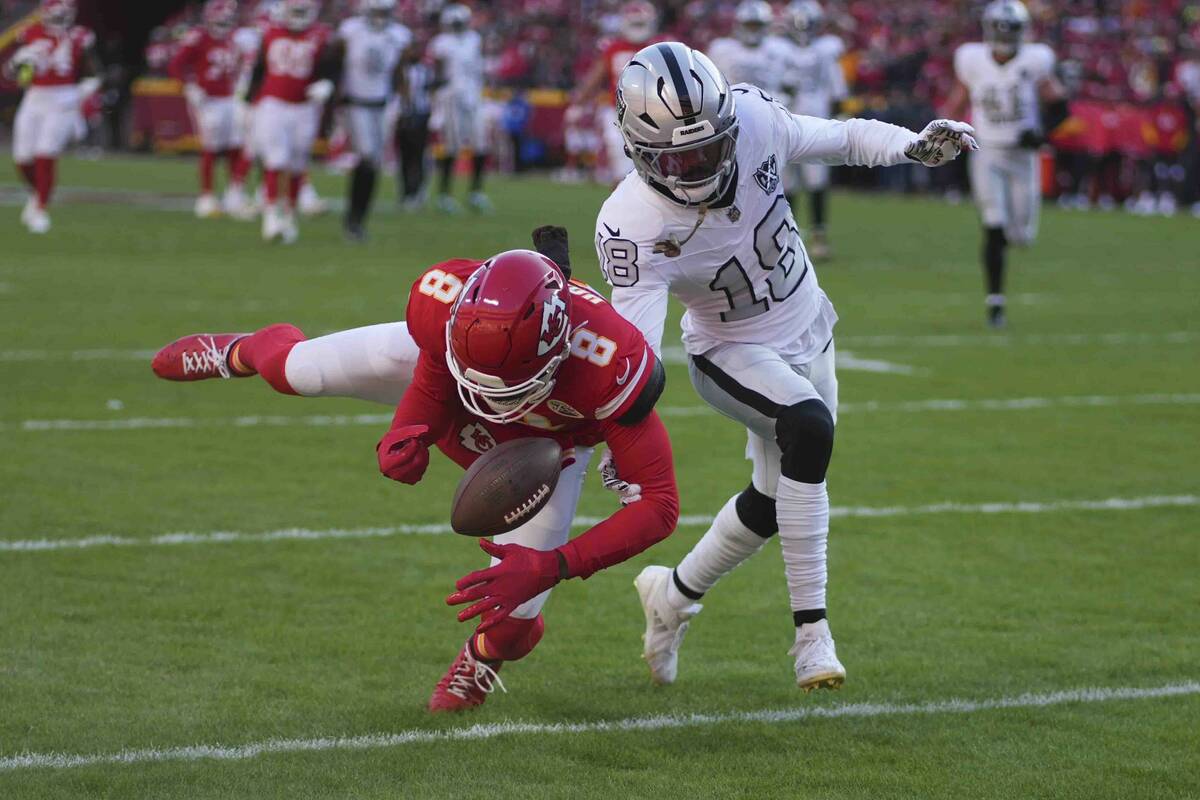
[
  {"x": 431, "y": 399},
  {"x": 855, "y": 142},
  {"x": 178, "y": 65},
  {"x": 646, "y": 307},
  {"x": 642, "y": 453},
  {"x": 640, "y": 289}
]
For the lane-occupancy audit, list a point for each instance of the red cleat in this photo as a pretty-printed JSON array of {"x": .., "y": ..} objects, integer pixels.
[
  {"x": 196, "y": 357},
  {"x": 466, "y": 684}
]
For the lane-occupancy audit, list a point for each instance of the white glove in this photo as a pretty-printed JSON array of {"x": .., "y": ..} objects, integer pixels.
[
  {"x": 628, "y": 492},
  {"x": 25, "y": 56},
  {"x": 941, "y": 142},
  {"x": 319, "y": 91},
  {"x": 88, "y": 87},
  {"x": 194, "y": 95}
]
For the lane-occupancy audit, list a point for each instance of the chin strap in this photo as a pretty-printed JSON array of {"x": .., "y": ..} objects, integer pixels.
[{"x": 671, "y": 246}]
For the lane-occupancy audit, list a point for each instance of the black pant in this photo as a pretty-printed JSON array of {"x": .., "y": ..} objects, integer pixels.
[{"x": 412, "y": 133}]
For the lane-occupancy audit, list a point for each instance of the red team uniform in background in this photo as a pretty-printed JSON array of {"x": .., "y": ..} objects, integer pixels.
[{"x": 211, "y": 64}]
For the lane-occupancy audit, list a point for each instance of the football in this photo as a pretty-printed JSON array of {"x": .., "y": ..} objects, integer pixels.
[{"x": 506, "y": 486}]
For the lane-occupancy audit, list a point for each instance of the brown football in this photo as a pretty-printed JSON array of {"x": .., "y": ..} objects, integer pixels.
[{"x": 505, "y": 487}]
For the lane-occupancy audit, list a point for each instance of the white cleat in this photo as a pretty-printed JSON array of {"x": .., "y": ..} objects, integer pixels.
[
  {"x": 288, "y": 232},
  {"x": 207, "y": 207},
  {"x": 479, "y": 203},
  {"x": 447, "y": 204},
  {"x": 28, "y": 210},
  {"x": 38, "y": 221},
  {"x": 309, "y": 204},
  {"x": 272, "y": 224},
  {"x": 236, "y": 205},
  {"x": 665, "y": 624},
  {"x": 817, "y": 665}
]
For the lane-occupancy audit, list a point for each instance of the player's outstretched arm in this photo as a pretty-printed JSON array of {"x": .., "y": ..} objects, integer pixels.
[
  {"x": 422, "y": 417},
  {"x": 642, "y": 452}
]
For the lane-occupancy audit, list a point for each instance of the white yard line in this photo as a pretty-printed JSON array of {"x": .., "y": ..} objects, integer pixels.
[
  {"x": 342, "y": 420},
  {"x": 42, "y": 544},
  {"x": 472, "y": 733}
]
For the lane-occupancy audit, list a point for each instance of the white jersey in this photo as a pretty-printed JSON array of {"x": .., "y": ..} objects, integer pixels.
[
  {"x": 741, "y": 63},
  {"x": 813, "y": 79},
  {"x": 1004, "y": 97},
  {"x": 371, "y": 58},
  {"x": 461, "y": 57},
  {"x": 744, "y": 276}
]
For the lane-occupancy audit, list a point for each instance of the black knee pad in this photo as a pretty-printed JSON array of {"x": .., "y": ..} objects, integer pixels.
[
  {"x": 757, "y": 512},
  {"x": 804, "y": 432}
]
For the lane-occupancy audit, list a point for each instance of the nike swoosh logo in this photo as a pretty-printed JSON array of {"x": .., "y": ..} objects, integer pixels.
[
  {"x": 628, "y": 366},
  {"x": 611, "y": 232}
]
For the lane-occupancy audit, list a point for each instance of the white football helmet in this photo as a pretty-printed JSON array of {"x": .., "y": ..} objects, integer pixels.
[
  {"x": 455, "y": 17},
  {"x": 639, "y": 21},
  {"x": 377, "y": 12},
  {"x": 805, "y": 18},
  {"x": 676, "y": 114},
  {"x": 1005, "y": 24},
  {"x": 754, "y": 18}
]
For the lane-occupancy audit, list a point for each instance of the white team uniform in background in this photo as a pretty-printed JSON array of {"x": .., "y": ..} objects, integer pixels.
[
  {"x": 1005, "y": 179},
  {"x": 754, "y": 308},
  {"x": 458, "y": 113},
  {"x": 370, "y": 62},
  {"x": 48, "y": 120},
  {"x": 813, "y": 80},
  {"x": 741, "y": 63}
]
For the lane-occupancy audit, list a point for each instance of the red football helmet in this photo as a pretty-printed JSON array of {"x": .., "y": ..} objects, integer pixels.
[
  {"x": 299, "y": 15},
  {"x": 58, "y": 14},
  {"x": 220, "y": 16},
  {"x": 508, "y": 333}
]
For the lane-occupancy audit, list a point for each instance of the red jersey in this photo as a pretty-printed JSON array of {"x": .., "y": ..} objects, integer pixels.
[
  {"x": 58, "y": 55},
  {"x": 291, "y": 61},
  {"x": 609, "y": 369},
  {"x": 211, "y": 63},
  {"x": 616, "y": 55}
]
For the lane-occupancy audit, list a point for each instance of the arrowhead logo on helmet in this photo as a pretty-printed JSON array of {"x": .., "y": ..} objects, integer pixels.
[{"x": 554, "y": 323}]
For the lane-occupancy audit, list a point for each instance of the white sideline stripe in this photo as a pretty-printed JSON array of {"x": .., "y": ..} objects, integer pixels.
[
  {"x": 675, "y": 353},
  {"x": 580, "y": 522},
  {"x": 342, "y": 420},
  {"x": 378, "y": 741}
]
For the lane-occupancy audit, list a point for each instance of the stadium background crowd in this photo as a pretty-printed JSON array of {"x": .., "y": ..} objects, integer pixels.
[{"x": 1132, "y": 68}]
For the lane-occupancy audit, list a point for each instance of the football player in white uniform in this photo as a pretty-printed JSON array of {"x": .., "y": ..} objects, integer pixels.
[
  {"x": 752, "y": 55},
  {"x": 371, "y": 45},
  {"x": 457, "y": 54},
  {"x": 1005, "y": 78},
  {"x": 815, "y": 85},
  {"x": 704, "y": 218}
]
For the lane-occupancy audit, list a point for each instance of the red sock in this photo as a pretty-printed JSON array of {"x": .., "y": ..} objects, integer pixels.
[
  {"x": 266, "y": 351},
  {"x": 233, "y": 159},
  {"x": 294, "y": 187},
  {"x": 43, "y": 170},
  {"x": 509, "y": 640},
  {"x": 271, "y": 185},
  {"x": 27, "y": 174},
  {"x": 206, "y": 171},
  {"x": 240, "y": 167}
]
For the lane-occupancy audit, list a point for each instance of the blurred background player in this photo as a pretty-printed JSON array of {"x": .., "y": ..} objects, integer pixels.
[
  {"x": 639, "y": 25},
  {"x": 412, "y": 127},
  {"x": 815, "y": 86},
  {"x": 457, "y": 57},
  {"x": 208, "y": 62},
  {"x": 284, "y": 123},
  {"x": 752, "y": 55},
  {"x": 1005, "y": 78},
  {"x": 371, "y": 45},
  {"x": 54, "y": 59}
]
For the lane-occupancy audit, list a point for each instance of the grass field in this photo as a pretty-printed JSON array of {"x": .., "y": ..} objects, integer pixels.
[{"x": 989, "y": 647}]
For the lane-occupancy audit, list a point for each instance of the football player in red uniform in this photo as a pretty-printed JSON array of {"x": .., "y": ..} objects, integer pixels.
[
  {"x": 289, "y": 83},
  {"x": 501, "y": 349},
  {"x": 208, "y": 63},
  {"x": 639, "y": 23},
  {"x": 56, "y": 60}
]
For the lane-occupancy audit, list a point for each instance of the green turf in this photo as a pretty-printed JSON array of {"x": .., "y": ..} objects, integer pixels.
[{"x": 108, "y": 648}]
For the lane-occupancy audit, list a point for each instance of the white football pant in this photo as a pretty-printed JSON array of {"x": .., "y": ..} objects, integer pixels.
[
  {"x": 1006, "y": 184},
  {"x": 47, "y": 120}
]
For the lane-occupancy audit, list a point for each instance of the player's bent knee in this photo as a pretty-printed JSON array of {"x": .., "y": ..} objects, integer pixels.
[
  {"x": 510, "y": 639},
  {"x": 804, "y": 432},
  {"x": 757, "y": 512}
]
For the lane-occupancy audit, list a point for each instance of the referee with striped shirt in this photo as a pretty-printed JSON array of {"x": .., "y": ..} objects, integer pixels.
[{"x": 412, "y": 127}]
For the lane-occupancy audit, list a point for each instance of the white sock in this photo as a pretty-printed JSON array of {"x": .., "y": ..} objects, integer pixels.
[
  {"x": 724, "y": 545},
  {"x": 803, "y": 513}
]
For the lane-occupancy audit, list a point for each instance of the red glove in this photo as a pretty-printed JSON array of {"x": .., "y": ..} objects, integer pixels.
[
  {"x": 522, "y": 574},
  {"x": 403, "y": 456}
]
